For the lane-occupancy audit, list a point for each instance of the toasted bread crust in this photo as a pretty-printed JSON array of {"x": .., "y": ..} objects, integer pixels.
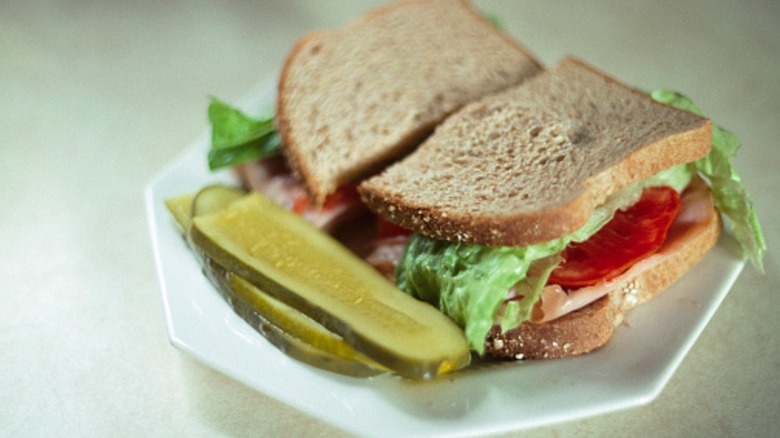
[
  {"x": 536, "y": 160},
  {"x": 592, "y": 326},
  {"x": 352, "y": 100}
]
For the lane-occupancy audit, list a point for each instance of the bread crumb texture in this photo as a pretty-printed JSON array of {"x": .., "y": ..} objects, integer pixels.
[
  {"x": 354, "y": 98},
  {"x": 532, "y": 163}
]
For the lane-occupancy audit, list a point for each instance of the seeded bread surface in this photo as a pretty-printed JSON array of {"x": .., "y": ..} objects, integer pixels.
[
  {"x": 532, "y": 163},
  {"x": 353, "y": 99}
]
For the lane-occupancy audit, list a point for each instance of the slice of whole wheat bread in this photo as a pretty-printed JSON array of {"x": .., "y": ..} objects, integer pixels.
[
  {"x": 351, "y": 100},
  {"x": 531, "y": 163},
  {"x": 592, "y": 326}
]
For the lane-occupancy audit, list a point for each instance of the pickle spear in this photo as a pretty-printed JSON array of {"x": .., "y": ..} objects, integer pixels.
[
  {"x": 296, "y": 263},
  {"x": 290, "y": 331},
  {"x": 181, "y": 209},
  {"x": 215, "y": 198},
  {"x": 209, "y": 199},
  {"x": 293, "y": 333}
]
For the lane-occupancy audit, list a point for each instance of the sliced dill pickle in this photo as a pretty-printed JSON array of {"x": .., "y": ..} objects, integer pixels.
[
  {"x": 215, "y": 198},
  {"x": 181, "y": 209},
  {"x": 290, "y": 331},
  {"x": 295, "y": 323},
  {"x": 209, "y": 199},
  {"x": 296, "y": 263}
]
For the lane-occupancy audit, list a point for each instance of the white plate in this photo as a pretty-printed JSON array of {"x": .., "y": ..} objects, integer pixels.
[{"x": 631, "y": 370}]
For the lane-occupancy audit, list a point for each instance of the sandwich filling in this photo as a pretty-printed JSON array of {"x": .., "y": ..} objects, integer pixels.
[
  {"x": 693, "y": 218},
  {"x": 630, "y": 235}
]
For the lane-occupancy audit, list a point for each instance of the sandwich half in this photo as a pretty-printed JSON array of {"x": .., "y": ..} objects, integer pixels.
[{"x": 542, "y": 214}]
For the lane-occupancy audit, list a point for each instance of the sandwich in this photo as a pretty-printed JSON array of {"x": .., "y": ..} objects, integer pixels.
[
  {"x": 533, "y": 207},
  {"x": 541, "y": 214}
]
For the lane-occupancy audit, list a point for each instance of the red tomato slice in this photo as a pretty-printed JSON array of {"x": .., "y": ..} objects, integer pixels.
[
  {"x": 630, "y": 236},
  {"x": 343, "y": 195}
]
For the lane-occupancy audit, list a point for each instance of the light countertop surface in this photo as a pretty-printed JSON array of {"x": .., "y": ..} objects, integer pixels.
[{"x": 97, "y": 97}]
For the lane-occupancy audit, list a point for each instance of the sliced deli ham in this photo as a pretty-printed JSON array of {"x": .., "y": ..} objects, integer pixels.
[{"x": 272, "y": 178}]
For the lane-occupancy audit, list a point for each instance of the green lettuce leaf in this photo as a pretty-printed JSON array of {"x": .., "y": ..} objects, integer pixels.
[
  {"x": 729, "y": 192},
  {"x": 466, "y": 282},
  {"x": 237, "y": 138}
]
